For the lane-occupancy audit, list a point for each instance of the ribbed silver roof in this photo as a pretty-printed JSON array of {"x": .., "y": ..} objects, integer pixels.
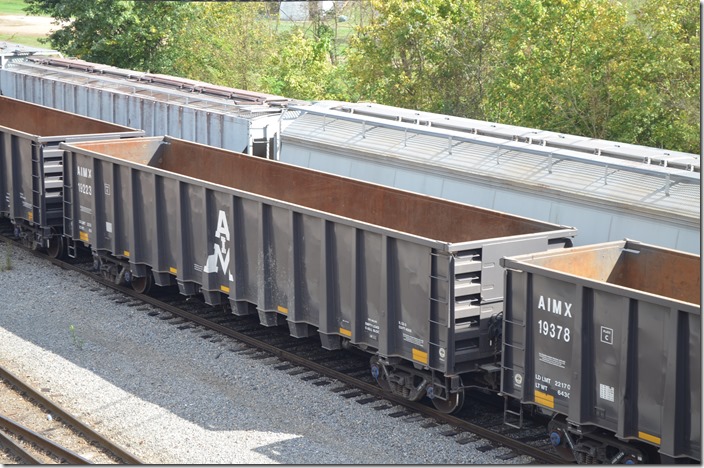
[
  {"x": 587, "y": 145},
  {"x": 180, "y": 91},
  {"x": 623, "y": 183}
]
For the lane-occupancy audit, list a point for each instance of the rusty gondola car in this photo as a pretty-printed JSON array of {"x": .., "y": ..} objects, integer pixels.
[
  {"x": 607, "y": 339},
  {"x": 414, "y": 280},
  {"x": 31, "y": 166}
]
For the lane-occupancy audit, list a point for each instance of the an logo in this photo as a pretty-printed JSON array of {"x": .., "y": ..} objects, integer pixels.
[{"x": 221, "y": 254}]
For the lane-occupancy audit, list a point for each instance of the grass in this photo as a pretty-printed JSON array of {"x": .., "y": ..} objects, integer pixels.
[
  {"x": 77, "y": 342},
  {"x": 12, "y": 7},
  {"x": 27, "y": 40},
  {"x": 16, "y": 7}
]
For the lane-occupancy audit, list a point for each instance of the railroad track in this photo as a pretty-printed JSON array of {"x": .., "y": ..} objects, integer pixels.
[
  {"x": 344, "y": 372},
  {"x": 50, "y": 424}
]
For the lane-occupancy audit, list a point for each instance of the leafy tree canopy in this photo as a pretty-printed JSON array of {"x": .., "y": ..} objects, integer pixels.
[
  {"x": 586, "y": 67},
  {"x": 129, "y": 34},
  {"x": 227, "y": 43}
]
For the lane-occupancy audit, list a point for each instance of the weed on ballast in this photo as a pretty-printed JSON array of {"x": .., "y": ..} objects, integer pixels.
[
  {"x": 77, "y": 342},
  {"x": 8, "y": 259}
]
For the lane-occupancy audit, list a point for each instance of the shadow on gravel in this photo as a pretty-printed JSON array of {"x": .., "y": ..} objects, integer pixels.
[{"x": 115, "y": 361}]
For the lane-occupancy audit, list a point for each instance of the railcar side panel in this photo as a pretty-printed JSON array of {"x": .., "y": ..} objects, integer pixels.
[
  {"x": 31, "y": 169},
  {"x": 323, "y": 254},
  {"x": 609, "y": 336}
]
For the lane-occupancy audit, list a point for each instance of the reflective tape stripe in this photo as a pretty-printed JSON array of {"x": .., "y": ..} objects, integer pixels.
[
  {"x": 344, "y": 331},
  {"x": 544, "y": 399},
  {"x": 649, "y": 438},
  {"x": 420, "y": 356},
  {"x": 283, "y": 310},
  {"x": 225, "y": 289}
]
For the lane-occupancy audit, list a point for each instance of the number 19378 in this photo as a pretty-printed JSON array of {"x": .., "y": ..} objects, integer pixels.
[{"x": 557, "y": 332}]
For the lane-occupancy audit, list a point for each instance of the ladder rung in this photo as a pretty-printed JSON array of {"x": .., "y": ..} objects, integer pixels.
[
  {"x": 444, "y": 278},
  {"x": 517, "y": 414},
  {"x": 438, "y": 323}
]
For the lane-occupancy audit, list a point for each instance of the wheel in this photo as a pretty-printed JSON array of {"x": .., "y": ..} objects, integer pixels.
[
  {"x": 454, "y": 403},
  {"x": 142, "y": 284},
  {"x": 56, "y": 247}
]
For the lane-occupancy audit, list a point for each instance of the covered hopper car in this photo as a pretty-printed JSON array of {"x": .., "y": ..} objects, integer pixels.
[
  {"x": 413, "y": 280},
  {"x": 607, "y": 190},
  {"x": 607, "y": 339}
]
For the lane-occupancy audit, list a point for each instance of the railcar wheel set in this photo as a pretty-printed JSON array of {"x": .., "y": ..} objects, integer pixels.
[{"x": 443, "y": 296}]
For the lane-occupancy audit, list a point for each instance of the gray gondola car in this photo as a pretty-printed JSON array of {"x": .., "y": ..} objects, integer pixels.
[
  {"x": 412, "y": 278},
  {"x": 607, "y": 338},
  {"x": 31, "y": 165}
]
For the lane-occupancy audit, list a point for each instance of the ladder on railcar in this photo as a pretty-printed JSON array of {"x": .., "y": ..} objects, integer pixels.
[{"x": 512, "y": 417}]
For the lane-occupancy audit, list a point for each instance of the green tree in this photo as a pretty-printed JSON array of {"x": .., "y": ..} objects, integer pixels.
[
  {"x": 557, "y": 65},
  {"x": 432, "y": 55},
  {"x": 587, "y": 68},
  {"x": 661, "y": 81},
  {"x": 302, "y": 68},
  {"x": 468, "y": 69},
  {"x": 226, "y": 43},
  {"x": 130, "y": 34}
]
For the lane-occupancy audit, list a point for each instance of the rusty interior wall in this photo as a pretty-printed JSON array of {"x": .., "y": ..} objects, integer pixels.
[
  {"x": 663, "y": 272},
  {"x": 43, "y": 121},
  {"x": 667, "y": 273},
  {"x": 402, "y": 211}
]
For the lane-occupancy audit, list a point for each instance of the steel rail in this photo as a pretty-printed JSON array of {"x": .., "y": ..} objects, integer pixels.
[
  {"x": 7, "y": 442},
  {"x": 426, "y": 411},
  {"x": 70, "y": 420},
  {"x": 41, "y": 441}
]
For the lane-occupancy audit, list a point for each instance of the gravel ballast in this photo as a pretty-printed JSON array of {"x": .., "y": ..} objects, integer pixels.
[{"x": 169, "y": 396}]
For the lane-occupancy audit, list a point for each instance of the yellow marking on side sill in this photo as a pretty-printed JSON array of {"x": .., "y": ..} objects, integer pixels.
[
  {"x": 420, "y": 356},
  {"x": 544, "y": 399},
  {"x": 649, "y": 438}
]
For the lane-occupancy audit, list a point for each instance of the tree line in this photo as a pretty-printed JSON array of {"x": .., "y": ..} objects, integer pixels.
[{"x": 627, "y": 70}]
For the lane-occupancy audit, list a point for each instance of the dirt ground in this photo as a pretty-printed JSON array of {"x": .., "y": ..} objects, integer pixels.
[{"x": 26, "y": 25}]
